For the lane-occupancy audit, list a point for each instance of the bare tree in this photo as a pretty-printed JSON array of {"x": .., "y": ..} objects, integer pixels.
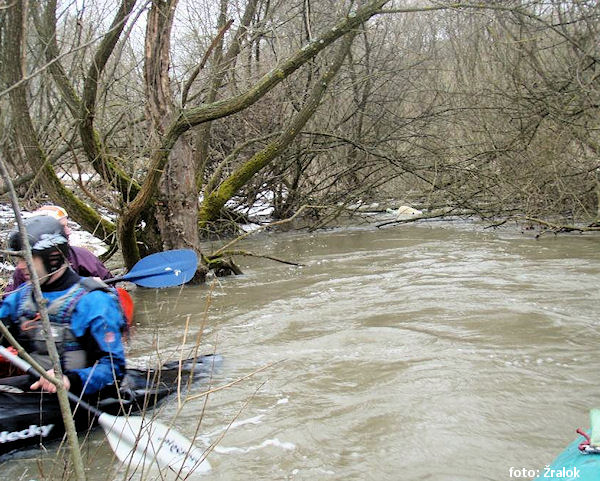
[{"x": 475, "y": 107}]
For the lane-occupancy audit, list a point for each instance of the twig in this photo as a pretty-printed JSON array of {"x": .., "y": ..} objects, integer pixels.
[
  {"x": 266, "y": 226},
  {"x": 202, "y": 63},
  {"x": 218, "y": 440},
  {"x": 415, "y": 218},
  {"x": 251, "y": 254},
  {"x": 57, "y": 379},
  {"x": 232, "y": 383},
  {"x": 563, "y": 228}
]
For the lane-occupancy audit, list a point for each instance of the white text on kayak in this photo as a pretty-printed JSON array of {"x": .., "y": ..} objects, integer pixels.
[{"x": 32, "y": 431}]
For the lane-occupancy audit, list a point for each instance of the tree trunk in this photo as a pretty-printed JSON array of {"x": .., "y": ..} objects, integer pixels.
[
  {"x": 14, "y": 58},
  {"x": 597, "y": 201},
  {"x": 36, "y": 156},
  {"x": 177, "y": 198}
]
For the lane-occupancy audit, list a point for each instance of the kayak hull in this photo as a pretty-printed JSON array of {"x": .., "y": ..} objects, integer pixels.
[
  {"x": 572, "y": 465},
  {"x": 32, "y": 419}
]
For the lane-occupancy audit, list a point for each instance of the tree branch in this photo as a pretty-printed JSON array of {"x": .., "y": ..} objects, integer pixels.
[
  {"x": 195, "y": 116},
  {"x": 196, "y": 71}
]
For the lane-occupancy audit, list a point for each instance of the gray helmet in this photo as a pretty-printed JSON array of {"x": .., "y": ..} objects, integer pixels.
[{"x": 47, "y": 239}]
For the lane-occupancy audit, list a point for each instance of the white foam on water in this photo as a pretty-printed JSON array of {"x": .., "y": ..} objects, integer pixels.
[
  {"x": 237, "y": 424},
  {"x": 268, "y": 442}
]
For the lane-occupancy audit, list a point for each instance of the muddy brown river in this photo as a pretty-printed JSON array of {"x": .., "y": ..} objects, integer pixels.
[{"x": 428, "y": 352}]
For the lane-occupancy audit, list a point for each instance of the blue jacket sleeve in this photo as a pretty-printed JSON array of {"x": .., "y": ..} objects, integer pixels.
[
  {"x": 97, "y": 321},
  {"x": 8, "y": 311}
]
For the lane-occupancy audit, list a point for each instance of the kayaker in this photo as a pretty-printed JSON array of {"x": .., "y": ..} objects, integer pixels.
[
  {"x": 86, "y": 318},
  {"x": 84, "y": 262}
]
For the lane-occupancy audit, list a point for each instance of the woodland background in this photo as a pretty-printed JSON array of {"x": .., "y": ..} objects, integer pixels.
[{"x": 173, "y": 118}]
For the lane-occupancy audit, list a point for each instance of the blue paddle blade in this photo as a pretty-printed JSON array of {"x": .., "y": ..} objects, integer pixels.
[{"x": 164, "y": 269}]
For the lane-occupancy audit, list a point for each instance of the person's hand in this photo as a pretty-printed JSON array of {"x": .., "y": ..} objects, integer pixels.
[{"x": 47, "y": 386}]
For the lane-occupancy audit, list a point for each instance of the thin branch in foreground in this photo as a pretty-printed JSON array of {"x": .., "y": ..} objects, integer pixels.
[
  {"x": 57, "y": 379},
  {"x": 233, "y": 383},
  {"x": 225, "y": 431}
]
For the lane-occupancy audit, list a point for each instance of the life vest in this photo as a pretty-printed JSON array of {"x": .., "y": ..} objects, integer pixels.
[{"x": 72, "y": 354}]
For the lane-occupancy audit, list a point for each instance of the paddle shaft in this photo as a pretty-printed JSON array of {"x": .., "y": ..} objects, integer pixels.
[
  {"x": 25, "y": 366},
  {"x": 133, "y": 276}
]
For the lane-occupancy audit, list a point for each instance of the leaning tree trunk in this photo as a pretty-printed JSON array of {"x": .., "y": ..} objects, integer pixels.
[
  {"x": 221, "y": 63},
  {"x": 215, "y": 200},
  {"x": 177, "y": 204},
  {"x": 177, "y": 198},
  {"x": 597, "y": 201},
  {"x": 191, "y": 117}
]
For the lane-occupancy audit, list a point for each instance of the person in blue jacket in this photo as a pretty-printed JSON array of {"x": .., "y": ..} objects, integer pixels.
[
  {"x": 81, "y": 260},
  {"x": 87, "y": 321}
]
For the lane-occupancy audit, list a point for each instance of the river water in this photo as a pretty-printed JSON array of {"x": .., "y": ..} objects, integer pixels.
[{"x": 425, "y": 352}]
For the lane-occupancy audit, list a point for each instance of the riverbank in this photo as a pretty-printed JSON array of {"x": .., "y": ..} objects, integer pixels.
[{"x": 388, "y": 215}]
